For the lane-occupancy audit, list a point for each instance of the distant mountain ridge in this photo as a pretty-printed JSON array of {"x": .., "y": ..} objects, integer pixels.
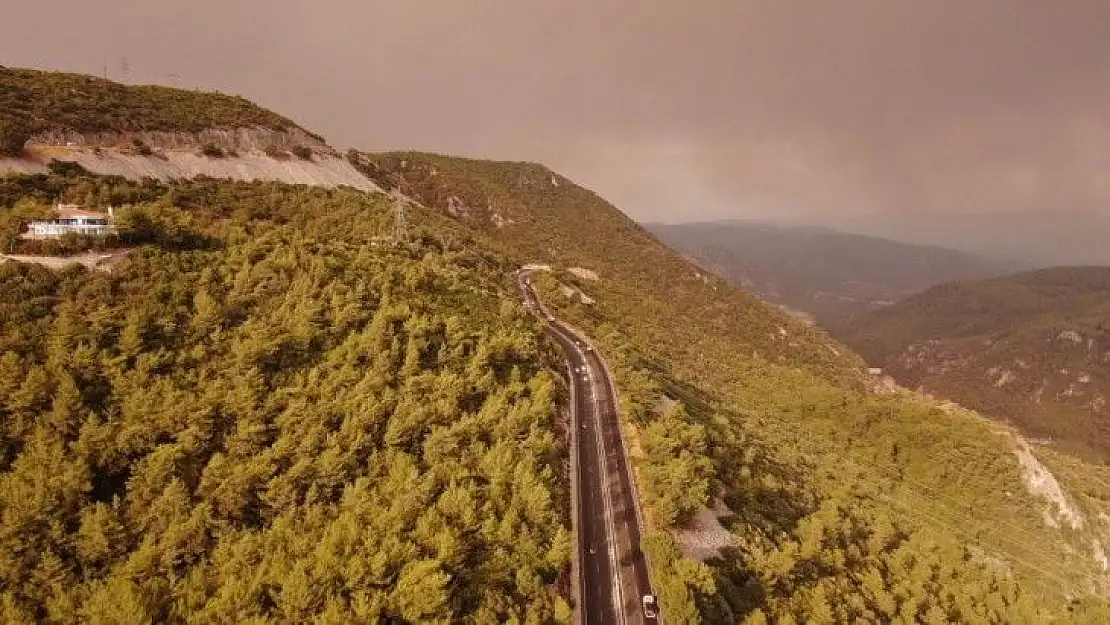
[
  {"x": 827, "y": 273},
  {"x": 1054, "y": 236},
  {"x": 1031, "y": 348}
]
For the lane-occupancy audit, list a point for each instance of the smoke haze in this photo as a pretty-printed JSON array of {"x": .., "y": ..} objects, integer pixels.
[{"x": 865, "y": 112}]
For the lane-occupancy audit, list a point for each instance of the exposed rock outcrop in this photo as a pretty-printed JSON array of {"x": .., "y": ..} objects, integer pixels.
[
  {"x": 1040, "y": 481},
  {"x": 176, "y": 155}
]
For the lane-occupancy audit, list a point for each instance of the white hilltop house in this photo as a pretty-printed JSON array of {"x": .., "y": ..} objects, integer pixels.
[{"x": 72, "y": 219}]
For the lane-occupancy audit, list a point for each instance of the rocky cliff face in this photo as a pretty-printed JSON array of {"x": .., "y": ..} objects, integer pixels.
[{"x": 252, "y": 154}]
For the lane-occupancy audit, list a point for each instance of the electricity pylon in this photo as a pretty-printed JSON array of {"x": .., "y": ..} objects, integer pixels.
[{"x": 400, "y": 226}]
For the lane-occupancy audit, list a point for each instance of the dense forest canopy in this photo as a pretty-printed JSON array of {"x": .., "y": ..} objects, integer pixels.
[{"x": 291, "y": 425}]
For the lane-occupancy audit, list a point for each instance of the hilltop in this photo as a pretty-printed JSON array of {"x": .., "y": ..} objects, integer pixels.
[
  {"x": 41, "y": 102},
  {"x": 1031, "y": 349},
  {"x": 150, "y": 131},
  {"x": 828, "y": 274}
]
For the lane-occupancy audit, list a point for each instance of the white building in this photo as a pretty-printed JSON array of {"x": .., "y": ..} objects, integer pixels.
[{"x": 71, "y": 219}]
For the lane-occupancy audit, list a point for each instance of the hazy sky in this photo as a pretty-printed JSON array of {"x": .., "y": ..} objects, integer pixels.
[{"x": 673, "y": 110}]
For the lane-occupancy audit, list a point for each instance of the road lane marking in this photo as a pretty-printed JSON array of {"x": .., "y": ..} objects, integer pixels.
[
  {"x": 607, "y": 496},
  {"x": 583, "y": 593},
  {"x": 606, "y": 500}
]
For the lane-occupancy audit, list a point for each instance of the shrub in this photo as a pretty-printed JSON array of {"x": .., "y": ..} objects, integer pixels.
[
  {"x": 67, "y": 245},
  {"x": 158, "y": 223},
  {"x": 274, "y": 151},
  {"x": 66, "y": 168},
  {"x": 141, "y": 147},
  {"x": 303, "y": 152},
  {"x": 14, "y": 133},
  {"x": 10, "y": 228},
  {"x": 212, "y": 150}
]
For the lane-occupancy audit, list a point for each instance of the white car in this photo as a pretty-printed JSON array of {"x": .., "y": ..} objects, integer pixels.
[{"x": 651, "y": 610}]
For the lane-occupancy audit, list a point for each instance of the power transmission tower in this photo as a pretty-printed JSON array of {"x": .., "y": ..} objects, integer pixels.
[{"x": 400, "y": 226}]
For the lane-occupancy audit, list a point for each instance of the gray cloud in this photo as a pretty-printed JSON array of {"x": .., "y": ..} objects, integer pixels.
[{"x": 710, "y": 109}]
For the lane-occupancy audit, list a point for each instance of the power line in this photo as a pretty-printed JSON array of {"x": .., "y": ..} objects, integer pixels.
[
  {"x": 905, "y": 487},
  {"x": 917, "y": 515},
  {"x": 909, "y": 485}
]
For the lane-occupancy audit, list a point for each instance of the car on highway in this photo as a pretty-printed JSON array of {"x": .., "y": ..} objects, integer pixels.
[{"x": 651, "y": 608}]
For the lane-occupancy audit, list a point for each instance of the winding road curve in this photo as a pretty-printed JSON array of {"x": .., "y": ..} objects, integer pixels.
[{"x": 610, "y": 571}]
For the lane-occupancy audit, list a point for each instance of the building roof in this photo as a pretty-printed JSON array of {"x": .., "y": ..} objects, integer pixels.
[{"x": 72, "y": 212}]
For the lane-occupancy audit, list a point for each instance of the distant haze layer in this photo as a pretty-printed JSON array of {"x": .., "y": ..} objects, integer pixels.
[{"x": 1029, "y": 239}]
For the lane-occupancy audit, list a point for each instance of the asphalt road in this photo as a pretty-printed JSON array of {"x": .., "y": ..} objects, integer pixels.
[{"x": 611, "y": 574}]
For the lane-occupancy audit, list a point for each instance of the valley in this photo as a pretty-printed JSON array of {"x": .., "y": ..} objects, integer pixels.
[{"x": 821, "y": 272}]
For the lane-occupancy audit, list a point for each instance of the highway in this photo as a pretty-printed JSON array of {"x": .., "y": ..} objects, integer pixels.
[{"x": 610, "y": 571}]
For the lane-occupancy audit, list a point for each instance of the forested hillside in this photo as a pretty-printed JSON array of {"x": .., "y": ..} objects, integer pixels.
[
  {"x": 33, "y": 101},
  {"x": 260, "y": 417},
  {"x": 533, "y": 215},
  {"x": 269, "y": 413},
  {"x": 844, "y": 504},
  {"x": 1032, "y": 349},
  {"x": 828, "y": 274}
]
